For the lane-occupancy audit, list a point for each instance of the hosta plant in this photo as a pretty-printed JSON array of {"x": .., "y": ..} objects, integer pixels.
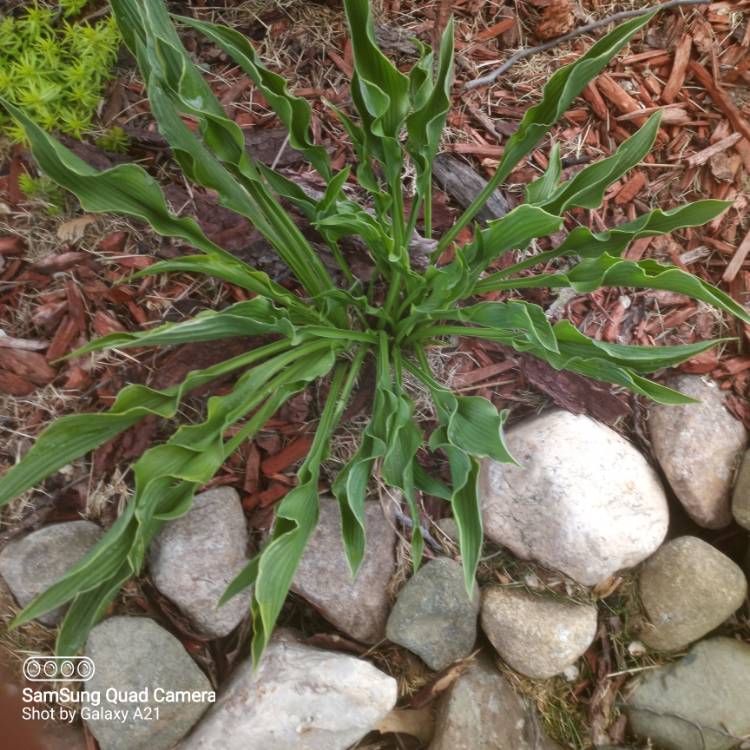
[{"x": 334, "y": 323}]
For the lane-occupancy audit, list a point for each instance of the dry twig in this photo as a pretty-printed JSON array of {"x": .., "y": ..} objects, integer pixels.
[{"x": 528, "y": 51}]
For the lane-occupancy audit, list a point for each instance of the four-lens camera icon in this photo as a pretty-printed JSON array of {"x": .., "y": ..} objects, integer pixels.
[{"x": 58, "y": 668}]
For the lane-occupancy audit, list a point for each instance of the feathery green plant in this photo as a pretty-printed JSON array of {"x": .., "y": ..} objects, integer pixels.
[
  {"x": 332, "y": 328},
  {"x": 53, "y": 68}
]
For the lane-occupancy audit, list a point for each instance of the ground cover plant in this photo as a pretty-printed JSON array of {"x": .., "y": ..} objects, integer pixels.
[
  {"x": 337, "y": 322},
  {"x": 54, "y": 66}
]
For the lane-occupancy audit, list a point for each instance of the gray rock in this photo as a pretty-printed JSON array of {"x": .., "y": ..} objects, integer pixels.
[
  {"x": 699, "y": 447},
  {"x": 583, "y": 500},
  {"x": 480, "y": 711},
  {"x": 194, "y": 557},
  {"x": 357, "y": 607},
  {"x": 32, "y": 564},
  {"x": 538, "y": 636},
  {"x": 434, "y": 616},
  {"x": 300, "y": 698},
  {"x": 741, "y": 493},
  {"x": 133, "y": 654},
  {"x": 705, "y": 693},
  {"x": 688, "y": 588}
]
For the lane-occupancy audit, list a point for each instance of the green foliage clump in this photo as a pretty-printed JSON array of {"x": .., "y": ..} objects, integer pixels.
[
  {"x": 53, "y": 67},
  {"x": 336, "y": 323},
  {"x": 43, "y": 189},
  {"x": 115, "y": 140}
]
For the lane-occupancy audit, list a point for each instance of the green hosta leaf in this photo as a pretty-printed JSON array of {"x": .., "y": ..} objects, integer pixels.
[
  {"x": 513, "y": 315},
  {"x": 393, "y": 437},
  {"x": 640, "y": 358},
  {"x": 235, "y": 273},
  {"x": 73, "y": 436},
  {"x": 296, "y": 518},
  {"x": 255, "y": 317},
  {"x": 86, "y": 609},
  {"x": 192, "y": 456},
  {"x": 564, "y": 86},
  {"x": 293, "y": 111},
  {"x": 219, "y": 161},
  {"x": 98, "y": 566},
  {"x": 560, "y": 91},
  {"x": 515, "y": 230},
  {"x": 541, "y": 190},
  {"x": 351, "y": 219},
  {"x": 381, "y": 89},
  {"x": 605, "y": 271},
  {"x": 586, "y": 189},
  {"x": 127, "y": 189},
  {"x": 403, "y": 440},
  {"x": 582, "y": 242},
  {"x": 425, "y": 124},
  {"x": 470, "y": 427},
  {"x": 421, "y": 84},
  {"x": 592, "y": 362},
  {"x": 509, "y": 317},
  {"x": 366, "y": 176}
]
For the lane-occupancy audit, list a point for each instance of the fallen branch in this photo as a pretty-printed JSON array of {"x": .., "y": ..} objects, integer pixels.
[{"x": 528, "y": 51}]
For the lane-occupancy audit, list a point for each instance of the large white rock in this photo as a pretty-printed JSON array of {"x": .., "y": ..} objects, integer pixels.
[
  {"x": 583, "y": 500},
  {"x": 300, "y": 698},
  {"x": 194, "y": 557},
  {"x": 699, "y": 447}
]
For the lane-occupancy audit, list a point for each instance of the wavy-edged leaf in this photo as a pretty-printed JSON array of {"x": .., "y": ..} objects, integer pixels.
[
  {"x": 584, "y": 243},
  {"x": 606, "y": 271},
  {"x": 75, "y": 435},
  {"x": 586, "y": 189},
  {"x": 564, "y": 86},
  {"x": 513, "y": 231},
  {"x": 514, "y": 316},
  {"x": 253, "y": 317},
  {"x": 469, "y": 427},
  {"x": 542, "y": 189},
  {"x": 296, "y": 518},
  {"x": 294, "y": 112},
  {"x": 426, "y": 122},
  {"x": 168, "y": 475},
  {"x": 218, "y": 159},
  {"x": 383, "y": 90}
]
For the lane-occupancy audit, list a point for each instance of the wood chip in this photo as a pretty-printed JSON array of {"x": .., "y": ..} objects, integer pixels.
[
  {"x": 737, "y": 260},
  {"x": 56, "y": 263},
  {"x": 476, "y": 149},
  {"x": 62, "y": 340},
  {"x": 289, "y": 455},
  {"x": 612, "y": 90},
  {"x": 11, "y": 245},
  {"x": 631, "y": 188},
  {"x": 721, "y": 98},
  {"x": 493, "y": 31},
  {"x": 594, "y": 98},
  {"x": 701, "y": 157},
  {"x": 679, "y": 69},
  {"x": 29, "y": 365},
  {"x": 14, "y": 385},
  {"x": 32, "y": 345}
]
